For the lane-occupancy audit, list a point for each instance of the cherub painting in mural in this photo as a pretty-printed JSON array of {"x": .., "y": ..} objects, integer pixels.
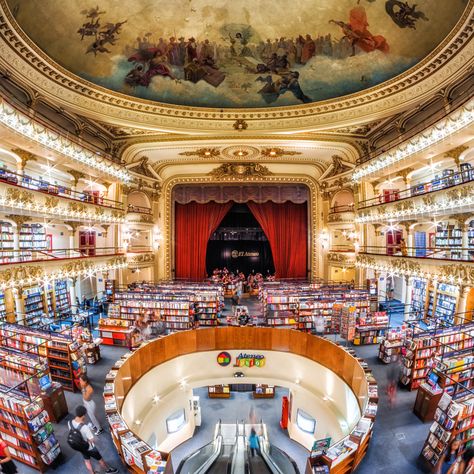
[{"x": 239, "y": 53}]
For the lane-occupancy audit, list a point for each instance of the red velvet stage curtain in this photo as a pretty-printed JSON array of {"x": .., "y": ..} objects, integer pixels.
[
  {"x": 195, "y": 224},
  {"x": 286, "y": 227}
]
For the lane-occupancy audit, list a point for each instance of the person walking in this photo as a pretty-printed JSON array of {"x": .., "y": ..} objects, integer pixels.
[
  {"x": 254, "y": 443},
  {"x": 7, "y": 465},
  {"x": 81, "y": 438},
  {"x": 87, "y": 392}
]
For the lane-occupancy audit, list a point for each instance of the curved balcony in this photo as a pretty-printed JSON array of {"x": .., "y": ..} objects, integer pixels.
[
  {"x": 139, "y": 256},
  {"x": 341, "y": 214},
  {"x": 138, "y": 209},
  {"x": 421, "y": 189},
  {"x": 45, "y": 187},
  {"x": 440, "y": 112}
]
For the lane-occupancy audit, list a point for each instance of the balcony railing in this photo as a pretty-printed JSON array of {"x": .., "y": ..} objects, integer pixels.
[
  {"x": 8, "y": 257},
  {"x": 138, "y": 209},
  {"x": 42, "y": 186},
  {"x": 427, "y": 187},
  {"x": 437, "y": 114},
  {"x": 440, "y": 253},
  {"x": 342, "y": 249},
  {"x": 139, "y": 249},
  {"x": 344, "y": 208}
]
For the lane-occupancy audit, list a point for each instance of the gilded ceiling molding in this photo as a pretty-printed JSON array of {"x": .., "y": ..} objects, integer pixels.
[
  {"x": 277, "y": 152},
  {"x": 456, "y": 153},
  {"x": 24, "y": 156},
  {"x": 239, "y": 171},
  {"x": 315, "y": 223},
  {"x": 203, "y": 153},
  {"x": 27, "y": 61}
]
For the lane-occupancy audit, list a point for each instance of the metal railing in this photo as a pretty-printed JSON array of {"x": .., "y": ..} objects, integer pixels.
[
  {"x": 8, "y": 257},
  {"x": 344, "y": 208},
  {"x": 435, "y": 253},
  {"x": 440, "y": 112},
  {"x": 446, "y": 182},
  {"x": 40, "y": 185},
  {"x": 138, "y": 209}
]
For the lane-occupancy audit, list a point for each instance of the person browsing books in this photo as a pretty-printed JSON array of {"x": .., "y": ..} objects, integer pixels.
[
  {"x": 81, "y": 438},
  {"x": 87, "y": 392},
  {"x": 6, "y": 462}
]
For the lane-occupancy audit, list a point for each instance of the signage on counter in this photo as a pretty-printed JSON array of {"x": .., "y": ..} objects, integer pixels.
[{"x": 249, "y": 360}]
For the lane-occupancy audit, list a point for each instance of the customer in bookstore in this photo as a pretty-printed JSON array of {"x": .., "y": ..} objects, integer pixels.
[
  {"x": 254, "y": 443},
  {"x": 6, "y": 461},
  {"x": 135, "y": 338},
  {"x": 451, "y": 460},
  {"x": 87, "y": 392},
  {"x": 92, "y": 452},
  {"x": 468, "y": 460}
]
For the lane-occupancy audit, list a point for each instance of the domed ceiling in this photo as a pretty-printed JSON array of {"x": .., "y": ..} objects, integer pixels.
[{"x": 240, "y": 53}]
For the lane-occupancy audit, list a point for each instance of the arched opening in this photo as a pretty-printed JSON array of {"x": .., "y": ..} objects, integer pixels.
[{"x": 239, "y": 244}]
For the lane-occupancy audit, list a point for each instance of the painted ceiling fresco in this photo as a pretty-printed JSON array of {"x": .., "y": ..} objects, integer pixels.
[{"x": 240, "y": 53}]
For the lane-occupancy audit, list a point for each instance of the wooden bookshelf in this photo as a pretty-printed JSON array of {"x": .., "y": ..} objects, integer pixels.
[
  {"x": 370, "y": 328},
  {"x": 453, "y": 420},
  {"x": 34, "y": 301},
  {"x": 62, "y": 297}
]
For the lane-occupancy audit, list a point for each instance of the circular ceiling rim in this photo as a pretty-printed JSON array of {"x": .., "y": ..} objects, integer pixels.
[{"x": 65, "y": 81}]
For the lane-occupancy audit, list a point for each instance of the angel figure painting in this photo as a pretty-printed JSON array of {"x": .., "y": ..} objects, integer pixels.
[{"x": 239, "y": 54}]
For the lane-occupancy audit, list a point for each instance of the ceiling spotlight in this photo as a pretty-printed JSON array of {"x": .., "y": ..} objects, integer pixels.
[
  {"x": 138, "y": 422},
  {"x": 156, "y": 399}
]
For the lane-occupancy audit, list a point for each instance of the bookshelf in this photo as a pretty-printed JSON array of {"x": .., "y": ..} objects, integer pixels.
[
  {"x": 49, "y": 299},
  {"x": 442, "y": 300},
  {"x": 6, "y": 242},
  {"x": 3, "y": 307},
  {"x": 370, "y": 327},
  {"x": 218, "y": 391},
  {"x": 66, "y": 360},
  {"x": 33, "y": 298},
  {"x": 390, "y": 350},
  {"x": 453, "y": 420},
  {"x": 418, "y": 298},
  {"x": 449, "y": 238},
  {"x": 110, "y": 288},
  {"x": 33, "y": 237},
  {"x": 62, "y": 298},
  {"x": 26, "y": 428},
  {"x": 348, "y": 321}
]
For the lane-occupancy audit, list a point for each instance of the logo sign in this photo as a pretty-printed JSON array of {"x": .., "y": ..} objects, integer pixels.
[
  {"x": 224, "y": 359},
  {"x": 249, "y": 360},
  {"x": 237, "y": 254}
]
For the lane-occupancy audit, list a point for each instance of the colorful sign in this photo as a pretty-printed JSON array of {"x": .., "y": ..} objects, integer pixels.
[
  {"x": 249, "y": 360},
  {"x": 224, "y": 359}
]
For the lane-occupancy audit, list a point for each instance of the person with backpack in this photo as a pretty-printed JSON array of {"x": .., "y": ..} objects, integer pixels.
[
  {"x": 89, "y": 403},
  {"x": 81, "y": 438},
  {"x": 7, "y": 465}
]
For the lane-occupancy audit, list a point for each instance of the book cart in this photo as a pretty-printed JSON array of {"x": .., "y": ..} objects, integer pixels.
[{"x": 345, "y": 455}]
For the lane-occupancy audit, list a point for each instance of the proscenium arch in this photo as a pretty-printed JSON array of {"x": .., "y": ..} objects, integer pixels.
[{"x": 167, "y": 252}]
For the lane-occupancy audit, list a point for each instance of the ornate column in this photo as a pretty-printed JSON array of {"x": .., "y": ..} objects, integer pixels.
[
  {"x": 72, "y": 293},
  {"x": 76, "y": 176},
  {"x": 404, "y": 174},
  {"x": 408, "y": 295},
  {"x": 461, "y": 223},
  {"x": 19, "y": 305},
  {"x": 73, "y": 236},
  {"x": 25, "y": 156},
  {"x": 461, "y": 308},
  {"x": 410, "y": 236}
]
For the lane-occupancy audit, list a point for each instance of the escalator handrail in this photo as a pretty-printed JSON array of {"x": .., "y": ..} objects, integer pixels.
[
  {"x": 264, "y": 449},
  {"x": 211, "y": 459},
  {"x": 236, "y": 450}
]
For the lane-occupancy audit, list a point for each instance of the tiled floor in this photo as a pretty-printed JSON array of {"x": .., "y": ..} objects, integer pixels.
[{"x": 397, "y": 440}]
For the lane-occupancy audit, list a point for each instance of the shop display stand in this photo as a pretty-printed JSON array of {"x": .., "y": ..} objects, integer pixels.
[
  {"x": 370, "y": 327},
  {"x": 264, "y": 391},
  {"x": 391, "y": 347},
  {"x": 218, "y": 391},
  {"x": 348, "y": 321},
  {"x": 454, "y": 420}
]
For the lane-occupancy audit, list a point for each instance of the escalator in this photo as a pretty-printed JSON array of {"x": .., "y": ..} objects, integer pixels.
[{"x": 228, "y": 453}]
